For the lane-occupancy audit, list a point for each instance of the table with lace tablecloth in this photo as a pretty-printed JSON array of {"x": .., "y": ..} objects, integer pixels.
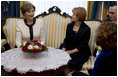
[{"x": 53, "y": 59}]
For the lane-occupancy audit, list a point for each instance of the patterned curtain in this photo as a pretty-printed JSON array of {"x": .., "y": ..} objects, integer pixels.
[
  {"x": 4, "y": 9},
  {"x": 10, "y": 9},
  {"x": 89, "y": 7},
  {"x": 13, "y": 9},
  {"x": 95, "y": 10}
]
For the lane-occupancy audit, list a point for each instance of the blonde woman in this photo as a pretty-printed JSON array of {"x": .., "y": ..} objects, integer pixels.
[{"x": 77, "y": 38}]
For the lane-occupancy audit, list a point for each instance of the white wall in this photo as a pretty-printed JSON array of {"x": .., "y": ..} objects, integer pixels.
[{"x": 65, "y": 6}]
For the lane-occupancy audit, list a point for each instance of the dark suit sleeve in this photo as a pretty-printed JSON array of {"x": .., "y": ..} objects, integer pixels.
[
  {"x": 107, "y": 66},
  {"x": 85, "y": 39}
]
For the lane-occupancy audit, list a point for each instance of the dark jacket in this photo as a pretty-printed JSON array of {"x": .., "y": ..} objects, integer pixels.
[
  {"x": 107, "y": 66},
  {"x": 78, "y": 40}
]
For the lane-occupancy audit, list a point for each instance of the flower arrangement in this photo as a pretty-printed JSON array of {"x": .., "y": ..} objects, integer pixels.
[{"x": 33, "y": 46}]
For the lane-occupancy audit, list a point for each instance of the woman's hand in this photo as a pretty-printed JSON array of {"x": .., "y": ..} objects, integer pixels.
[
  {"x": 69, "y": 52},
  {"x": 64, "y": 49},
  {"x": 72, "y": 51}
]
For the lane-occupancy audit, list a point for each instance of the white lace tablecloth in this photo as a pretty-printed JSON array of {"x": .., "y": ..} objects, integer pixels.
[{"x": 51, "y": 59}]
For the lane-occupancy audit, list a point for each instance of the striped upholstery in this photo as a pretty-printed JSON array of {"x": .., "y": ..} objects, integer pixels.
[
  {"x": 93, "y": 25},
  {"x": 10, "y": 30},
  {"x": 55, "y": 26}
]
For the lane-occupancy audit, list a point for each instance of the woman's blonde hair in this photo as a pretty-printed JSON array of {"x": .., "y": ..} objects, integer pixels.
[
  {"x": 26, "y": 7},
  {"x": 107, "y": 36},
  {"x": 80, "y": 13}
]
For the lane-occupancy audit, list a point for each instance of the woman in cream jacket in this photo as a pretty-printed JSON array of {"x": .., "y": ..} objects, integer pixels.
[{"x": 29, "y": 28}]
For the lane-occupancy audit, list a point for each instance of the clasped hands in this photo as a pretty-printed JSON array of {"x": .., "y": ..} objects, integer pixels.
[{"x": 70, "y": 51}]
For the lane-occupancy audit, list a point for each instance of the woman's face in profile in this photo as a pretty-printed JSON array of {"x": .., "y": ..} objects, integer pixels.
[
  {"x": 29, "y": 14},
  {"x": 74, "y": 17}
]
